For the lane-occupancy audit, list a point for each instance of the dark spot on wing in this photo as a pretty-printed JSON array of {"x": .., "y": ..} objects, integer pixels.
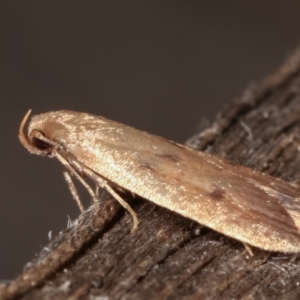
[
  {"x": 217, "y": 194},
  {"x": 290, "y": 203},
  {"x": 146, "y": 166},
  {"x": 171, "y": 157}
]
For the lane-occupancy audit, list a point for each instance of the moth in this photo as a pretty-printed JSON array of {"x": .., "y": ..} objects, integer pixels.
[{"x": 239, "y": 202}]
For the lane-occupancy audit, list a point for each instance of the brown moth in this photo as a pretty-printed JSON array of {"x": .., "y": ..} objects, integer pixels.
[{"x": 249, "y": 206}]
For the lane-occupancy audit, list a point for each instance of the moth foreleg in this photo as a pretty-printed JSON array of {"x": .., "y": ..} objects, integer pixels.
[
  {"x": 100, "y": 182},
  {"x": 79, "y": 177},
  {"x": 73, "y": 190}
]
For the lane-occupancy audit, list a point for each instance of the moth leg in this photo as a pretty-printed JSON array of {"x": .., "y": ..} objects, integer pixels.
[
  {"x": 248, "y": 249},
  {"x": 97, "y": 191},
  {"x": 66, "y": 164},
  {"x": 124, "y": 204},
  {"x": 102, "y": 183},
  {"x": 94, "y": 197},
  {"x": 73, "y": 190}
]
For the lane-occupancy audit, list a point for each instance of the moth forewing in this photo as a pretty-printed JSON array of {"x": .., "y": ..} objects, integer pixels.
[{"x": 249, "y": 206}]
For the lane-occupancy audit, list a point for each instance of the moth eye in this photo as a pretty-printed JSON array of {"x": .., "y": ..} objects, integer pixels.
[
  {"x": 40, "y": 144},
  {"x": 39, "y": 141}
]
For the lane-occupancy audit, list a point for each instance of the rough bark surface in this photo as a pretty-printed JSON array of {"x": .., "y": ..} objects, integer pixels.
[{"x": 170, "y": 257}]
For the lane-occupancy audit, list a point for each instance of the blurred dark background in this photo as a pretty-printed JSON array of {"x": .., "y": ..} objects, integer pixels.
[{"x": 160, "y": 66}]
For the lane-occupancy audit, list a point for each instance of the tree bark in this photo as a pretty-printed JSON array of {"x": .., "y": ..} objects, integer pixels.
[{"x": 169, "y": 256}]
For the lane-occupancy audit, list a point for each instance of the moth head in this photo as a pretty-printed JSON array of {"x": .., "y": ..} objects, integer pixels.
[{"x": 36, "y": 141}]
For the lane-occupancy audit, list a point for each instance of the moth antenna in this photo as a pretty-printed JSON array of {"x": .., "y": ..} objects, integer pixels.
[{"x": 24, "y": 138}]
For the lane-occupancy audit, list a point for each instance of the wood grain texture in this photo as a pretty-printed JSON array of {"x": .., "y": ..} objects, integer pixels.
[{"x": 170, "y": 257}]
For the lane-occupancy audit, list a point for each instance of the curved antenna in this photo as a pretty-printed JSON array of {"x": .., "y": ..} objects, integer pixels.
[{"x": 24, "y": 138}]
